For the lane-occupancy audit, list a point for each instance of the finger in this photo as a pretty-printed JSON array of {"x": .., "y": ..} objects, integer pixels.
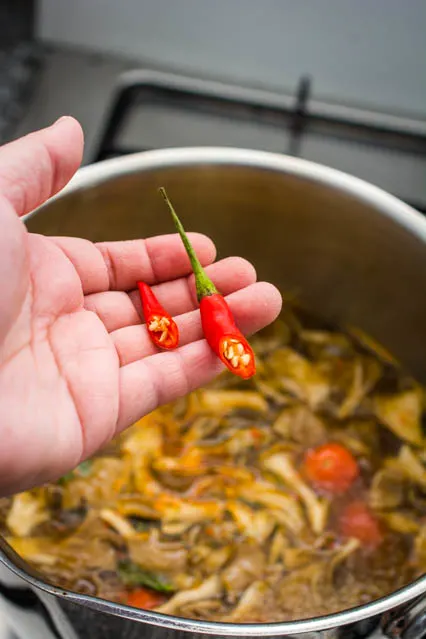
[
  {"x": 252, "y": 308},
  {"x": 38, "y": 165},
  {"x": 161, "y": 378},
  {"x": 117, "y": 266},
  {"x": 117, "y": 309}
]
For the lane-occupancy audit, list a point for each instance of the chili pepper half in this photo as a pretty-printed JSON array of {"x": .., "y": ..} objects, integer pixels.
[
  {"x": 162, "y": 328},
  {"x": 220, "y": 330}
]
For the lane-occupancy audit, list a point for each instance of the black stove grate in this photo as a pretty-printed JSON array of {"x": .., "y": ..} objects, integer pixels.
[{"x": 295, "y": 115}]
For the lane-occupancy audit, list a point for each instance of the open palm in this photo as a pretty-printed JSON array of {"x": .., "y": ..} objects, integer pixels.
[{"x": 76, "y": 362}]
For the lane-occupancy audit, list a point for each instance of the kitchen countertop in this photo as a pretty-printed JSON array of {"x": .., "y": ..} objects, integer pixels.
[{"x": 77, "y": 83}]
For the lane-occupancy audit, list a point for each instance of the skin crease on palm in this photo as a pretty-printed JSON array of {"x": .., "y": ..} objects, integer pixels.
[{"x": 76, "y": 363}]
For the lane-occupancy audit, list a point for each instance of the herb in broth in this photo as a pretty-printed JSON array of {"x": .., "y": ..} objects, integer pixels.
[
  {"x": 83, "y": 470},
  {"x": 298, "y": 493},
  {"x": 132, "y": 575}
]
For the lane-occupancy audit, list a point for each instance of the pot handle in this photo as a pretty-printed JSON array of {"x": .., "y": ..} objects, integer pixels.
[{"x": 407, "y": 621}]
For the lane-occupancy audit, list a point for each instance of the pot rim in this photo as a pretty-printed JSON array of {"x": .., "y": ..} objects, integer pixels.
[
  {"x": 389, "y": 205},
  {"x": 386, "y": 205}
]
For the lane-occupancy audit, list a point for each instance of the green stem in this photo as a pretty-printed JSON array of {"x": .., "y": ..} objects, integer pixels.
[{"x": 203, "y": 283}]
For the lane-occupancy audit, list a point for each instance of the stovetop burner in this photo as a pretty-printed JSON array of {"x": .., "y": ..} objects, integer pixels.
[{"x": 156, "y": 110}]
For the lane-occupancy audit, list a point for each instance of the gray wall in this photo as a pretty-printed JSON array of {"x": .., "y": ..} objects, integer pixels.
[{"x": 372, "y": 52}]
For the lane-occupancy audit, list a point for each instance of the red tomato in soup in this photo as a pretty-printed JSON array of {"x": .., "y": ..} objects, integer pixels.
[{"x": 331, "y": 467}]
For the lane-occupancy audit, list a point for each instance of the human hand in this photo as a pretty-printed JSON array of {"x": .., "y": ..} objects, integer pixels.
[{"x": 76, "y": 363}]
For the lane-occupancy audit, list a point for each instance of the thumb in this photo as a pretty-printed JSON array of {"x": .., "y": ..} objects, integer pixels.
[
  {"x": 31, "y": 170},
  {"x": 37, "y": 166}
]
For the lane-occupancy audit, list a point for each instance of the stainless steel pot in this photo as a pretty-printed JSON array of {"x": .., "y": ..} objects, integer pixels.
[{"x": 348, "y": 250}]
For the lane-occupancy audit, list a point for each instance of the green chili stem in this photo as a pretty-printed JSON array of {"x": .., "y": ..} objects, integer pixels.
[{"x": 203, "y": 283}]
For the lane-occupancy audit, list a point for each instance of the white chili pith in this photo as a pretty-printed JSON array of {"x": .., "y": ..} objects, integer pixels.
[
  {"x": 160, "y": 325},
  {"x": 234, "y": 352}
]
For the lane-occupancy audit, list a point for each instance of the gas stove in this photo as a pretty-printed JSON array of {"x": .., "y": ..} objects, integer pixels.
[{"x": 157, "y": 110}]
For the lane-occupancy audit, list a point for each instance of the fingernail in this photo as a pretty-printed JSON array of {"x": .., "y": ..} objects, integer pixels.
[{"x": 61, "y": 119}]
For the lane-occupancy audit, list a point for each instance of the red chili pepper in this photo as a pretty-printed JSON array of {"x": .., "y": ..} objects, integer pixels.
[
  {"x": 162, "y": 328},
  {"x": 220, "y": 330}
]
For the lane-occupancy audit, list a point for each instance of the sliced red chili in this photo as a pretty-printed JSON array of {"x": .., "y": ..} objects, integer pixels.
[
  {"x": 224, "y": 338},
  {"x": 162, "y": 328},
  {"x": 219, "y": 327}
]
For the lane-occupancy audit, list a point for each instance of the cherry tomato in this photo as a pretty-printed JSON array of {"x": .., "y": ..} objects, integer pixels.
[
  {"x": 145, "y": 598},
  {"x": 359, "y": 522},
  {"x": 331, "y": 467}
]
